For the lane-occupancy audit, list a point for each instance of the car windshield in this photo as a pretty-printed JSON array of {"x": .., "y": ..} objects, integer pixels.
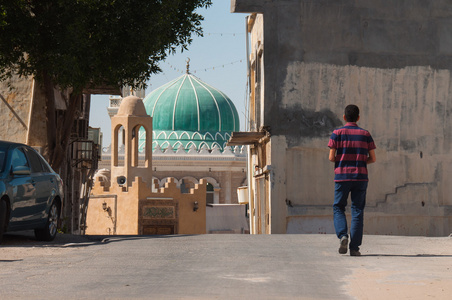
[{"x": 2, "y": 158}]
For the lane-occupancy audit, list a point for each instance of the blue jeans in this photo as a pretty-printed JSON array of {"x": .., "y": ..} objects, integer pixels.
[{"x": 358, "y": 190}]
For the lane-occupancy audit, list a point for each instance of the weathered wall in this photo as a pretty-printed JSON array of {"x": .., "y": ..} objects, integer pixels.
[
  {"x": 14, "y": 115},
  {"x": 22, "y": 117},
  {"x": 392, "y": 59}
]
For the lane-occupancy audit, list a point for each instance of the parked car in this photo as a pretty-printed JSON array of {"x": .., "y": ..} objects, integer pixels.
[{"x": 31, "y": 192}]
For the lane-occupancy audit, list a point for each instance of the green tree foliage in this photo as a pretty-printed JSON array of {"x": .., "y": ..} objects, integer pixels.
[{"x": 76, "y": 44}]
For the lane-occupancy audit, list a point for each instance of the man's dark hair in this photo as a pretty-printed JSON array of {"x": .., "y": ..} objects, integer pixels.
[{"x": 351, "y": 113}]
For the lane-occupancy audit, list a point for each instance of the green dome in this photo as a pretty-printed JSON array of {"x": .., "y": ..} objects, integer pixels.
[{"x": 188, "y": 111}]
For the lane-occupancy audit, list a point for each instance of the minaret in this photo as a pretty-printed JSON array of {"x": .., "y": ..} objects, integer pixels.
[{"x": 131, "y": 117}]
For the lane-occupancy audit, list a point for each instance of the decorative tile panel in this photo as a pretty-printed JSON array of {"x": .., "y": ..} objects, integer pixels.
[{"x": 159, "y": 212}]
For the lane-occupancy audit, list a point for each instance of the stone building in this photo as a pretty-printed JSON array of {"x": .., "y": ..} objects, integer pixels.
[
  {"x": 192, "y": 122},
  {"x": 307, "y": 61},
  {"x": 23, "y": 120},
  {"x": 132, "y": 203}
]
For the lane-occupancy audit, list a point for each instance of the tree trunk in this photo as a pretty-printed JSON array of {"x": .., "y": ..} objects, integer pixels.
[
  {"x": 50, "y": 118},
  {"x": 65, "y": 127},
  {"x": 58, "y": 129}
]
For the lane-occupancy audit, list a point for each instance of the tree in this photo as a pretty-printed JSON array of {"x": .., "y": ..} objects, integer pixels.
[{"x": 77, "y": 44}]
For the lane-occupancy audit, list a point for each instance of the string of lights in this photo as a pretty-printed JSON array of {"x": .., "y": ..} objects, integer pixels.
[
  {"x": 223, "y": 33},
  {"x": 203, "y": 69}
]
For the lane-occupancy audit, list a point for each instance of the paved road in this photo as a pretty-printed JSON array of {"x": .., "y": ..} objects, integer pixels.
[{"x": 224, "y": 267}]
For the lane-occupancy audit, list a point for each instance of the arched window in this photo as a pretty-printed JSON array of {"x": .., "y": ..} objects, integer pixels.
[
  {"x": 213, "y": 190},
  {"x": 119, "y": 146},
  {"x": 138, "y": 134},
  {"x": 210, "y": 194}
]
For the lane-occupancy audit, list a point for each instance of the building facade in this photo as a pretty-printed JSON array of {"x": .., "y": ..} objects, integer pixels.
[
  {"x": 307, "y": 61},
  {"x": 191, "y": 124},
  {"x": 132, "y": 203},
  {"x": 23, "y": 120}
]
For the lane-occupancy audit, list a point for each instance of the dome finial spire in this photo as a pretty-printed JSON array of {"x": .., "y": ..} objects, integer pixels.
[{"x": 188, "y": 65}]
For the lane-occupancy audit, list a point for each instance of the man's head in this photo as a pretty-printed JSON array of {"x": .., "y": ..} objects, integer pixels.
[{"x": 351, "y": 113}]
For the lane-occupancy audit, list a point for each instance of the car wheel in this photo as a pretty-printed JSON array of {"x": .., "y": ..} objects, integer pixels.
[
  {"x": 49, "y": 232},
  {"x": 2, "y": 218}
]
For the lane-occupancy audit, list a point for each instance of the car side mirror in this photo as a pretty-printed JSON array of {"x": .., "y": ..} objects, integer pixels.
[{"x": 21, "y": 170}]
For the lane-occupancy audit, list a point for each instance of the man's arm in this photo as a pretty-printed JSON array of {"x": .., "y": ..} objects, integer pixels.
[
  {"x": 372, "y": 158},
  {"x": 332, "y": 156}
]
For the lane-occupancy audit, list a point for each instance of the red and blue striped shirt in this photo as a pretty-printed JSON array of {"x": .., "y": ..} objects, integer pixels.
[{"x": 352, "y": 145}]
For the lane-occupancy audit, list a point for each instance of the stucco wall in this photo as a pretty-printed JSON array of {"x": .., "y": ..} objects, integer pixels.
[
  {"x": 406, "y": 110},
  {"x": 392, "y": 59},
  {"x": 22, "y": 119},
  {"x": 124, "y": 215},
  {"x": 14, "y": 115}
]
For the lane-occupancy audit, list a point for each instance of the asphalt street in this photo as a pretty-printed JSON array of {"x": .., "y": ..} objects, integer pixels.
[{"x": 224, "y": 267}]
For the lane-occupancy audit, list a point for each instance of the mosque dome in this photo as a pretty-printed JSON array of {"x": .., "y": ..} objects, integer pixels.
[{"x": 189, "y": 112}]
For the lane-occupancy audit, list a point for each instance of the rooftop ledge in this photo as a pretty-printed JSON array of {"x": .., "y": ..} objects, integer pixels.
[{"x": 245, "y": 138}]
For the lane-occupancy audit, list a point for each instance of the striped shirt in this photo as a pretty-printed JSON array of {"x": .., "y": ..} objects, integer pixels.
[{"x": 352, "y": 145}]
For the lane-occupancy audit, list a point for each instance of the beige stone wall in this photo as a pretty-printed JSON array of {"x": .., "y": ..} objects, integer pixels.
[
  {"x": 121, "y": 213},
  {"x": 22, "y": 117},
  {"x": 14, "y": 116}
]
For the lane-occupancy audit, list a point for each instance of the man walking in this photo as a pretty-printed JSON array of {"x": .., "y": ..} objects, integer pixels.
[{"x": 351, "y": 149}]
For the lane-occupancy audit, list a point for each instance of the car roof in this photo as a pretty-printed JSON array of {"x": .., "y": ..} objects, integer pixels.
[{"x": 9, "y": 144}]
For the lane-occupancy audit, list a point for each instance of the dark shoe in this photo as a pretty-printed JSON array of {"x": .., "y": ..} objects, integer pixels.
[
  {"x": 355, "y": 253},
  {"x": 343, "y": 245}
]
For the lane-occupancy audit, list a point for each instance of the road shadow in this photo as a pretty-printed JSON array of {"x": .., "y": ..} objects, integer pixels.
[{"x": 27, "y": 239}]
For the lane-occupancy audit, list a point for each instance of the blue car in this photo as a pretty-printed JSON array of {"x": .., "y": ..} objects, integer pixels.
[{"x": 31, "y": 193}]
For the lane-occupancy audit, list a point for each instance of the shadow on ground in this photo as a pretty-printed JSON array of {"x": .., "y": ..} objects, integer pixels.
[{"x": 27, "y": 239}]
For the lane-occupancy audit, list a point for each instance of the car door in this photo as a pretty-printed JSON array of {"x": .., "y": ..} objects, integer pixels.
[
  {"x": 43, "y": 182},
  {"x": 22, "y": 191}
]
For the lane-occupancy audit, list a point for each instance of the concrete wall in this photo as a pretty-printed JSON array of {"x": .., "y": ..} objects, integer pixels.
[
  {"x": 22, "y": 112},
  {"x": 226, "y": 218},
  {"x": 392, "y": 59},
  {"x": 14, "y": 114}
]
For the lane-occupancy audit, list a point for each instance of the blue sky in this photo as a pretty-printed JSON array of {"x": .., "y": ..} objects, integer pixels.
[{"x": 218, "y": 58}]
